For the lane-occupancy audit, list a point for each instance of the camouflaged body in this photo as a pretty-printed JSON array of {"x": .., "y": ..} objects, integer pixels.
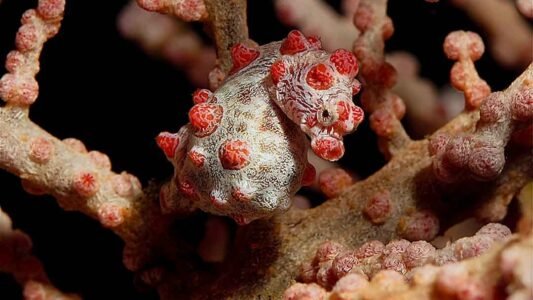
[
  {"x": 277, "y": 150},
  {"x": 244, "y": 152}
]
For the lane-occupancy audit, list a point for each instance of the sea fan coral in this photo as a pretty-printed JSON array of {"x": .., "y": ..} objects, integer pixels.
[{"x": 426, "y": 211}]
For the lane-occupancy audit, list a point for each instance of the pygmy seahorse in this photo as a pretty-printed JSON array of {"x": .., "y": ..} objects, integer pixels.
[{"x": 243, "y": 153}]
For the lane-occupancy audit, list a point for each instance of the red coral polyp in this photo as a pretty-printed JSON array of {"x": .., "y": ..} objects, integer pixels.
[
  {"x": 41, "y": 150},
  {"x": 85, "y": 184}
]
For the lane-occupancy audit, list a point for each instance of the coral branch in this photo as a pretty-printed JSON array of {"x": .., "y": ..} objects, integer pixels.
[
  {"x": 498, "y": 19},
  {"x": 424, "y": 110},
  {"x": 332, "y": 261},
  {"x": 317, "y": 18},
  {"x": 465, "y": 48},
  {"x": 80, "y": 180},
  {"x": 16, "y": 258},
  {"x": 171, "y": 39},
  {"x": 186, "y": 10},
  {"x": 502, "y": 271},
  {"x": 227, "y": 20},
  {"x": 379, "y": 77},
  {"x": 494, "y": 206},
  {"x": 19, "y": 87},
  {"x": 481, "y": 153}
]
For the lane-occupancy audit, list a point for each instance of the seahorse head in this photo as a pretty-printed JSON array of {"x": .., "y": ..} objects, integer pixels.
[{"x": 314, "y": 89}]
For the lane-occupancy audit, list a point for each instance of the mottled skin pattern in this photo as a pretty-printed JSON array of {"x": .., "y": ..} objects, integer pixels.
[{"x": 240, "y": 155}]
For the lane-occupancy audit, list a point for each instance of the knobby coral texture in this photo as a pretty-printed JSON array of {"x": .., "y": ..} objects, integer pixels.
[{"x": 272, "y": 158}]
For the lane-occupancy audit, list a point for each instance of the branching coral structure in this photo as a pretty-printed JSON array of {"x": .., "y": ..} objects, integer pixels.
[{"x": 227, "y": 222}]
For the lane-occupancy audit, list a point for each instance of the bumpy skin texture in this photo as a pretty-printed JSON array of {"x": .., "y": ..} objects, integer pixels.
[
  {"x": 315, "y": 90},
  {"x": 240, "y": 155}
]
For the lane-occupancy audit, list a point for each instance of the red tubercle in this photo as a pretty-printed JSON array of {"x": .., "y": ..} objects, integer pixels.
[
  {"x": 85, "y": 184},
  {"x": 242, "y": 56},
  {"x": 203, "y": 96},
  {"x": 239, "y": 195},
  {"x": 319, "y": 77},
  {"x": 311, "y": 120},
  {"x": 345, "y": 62},
  {"x": 343, "y": 110},
  {"x": 315, "y": 42},
  {"x": 358, "y": 114},
  {"x": 295, "y": 42},
  {"x": 234, "y": 154},
  {"x": 197, "y": 158},
  {"x": 168, "y": 142},
  {"x": 356, "y": 87},
  {"x": 277, "y": 71},
  {"x": 187, "y": 188},
  {"x": 309, "y": 175},
  {"x": 205, "y": 118},
  {"x": 328, "y": 148}
]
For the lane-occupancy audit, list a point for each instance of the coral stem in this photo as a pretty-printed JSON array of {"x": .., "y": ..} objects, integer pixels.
[
  {"x": 385, "y": 108},
  {"x": 227, "y": 20}
]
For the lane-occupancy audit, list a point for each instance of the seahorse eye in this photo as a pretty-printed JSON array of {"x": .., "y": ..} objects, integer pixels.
[{"x": 327, "y": 116}]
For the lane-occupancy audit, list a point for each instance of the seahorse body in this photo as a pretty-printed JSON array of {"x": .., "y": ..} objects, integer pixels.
[{"x": 241, "y": 155}]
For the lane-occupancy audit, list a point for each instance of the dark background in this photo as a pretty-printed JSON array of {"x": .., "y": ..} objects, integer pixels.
[{"x": 104, "y": 90}]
